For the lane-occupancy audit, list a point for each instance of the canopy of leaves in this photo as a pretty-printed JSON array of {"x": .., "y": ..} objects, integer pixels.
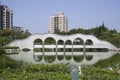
[
  {"x": 101, "y": 32},
  {"x": 9, "y": 35},
  {"x": 16, "y": 70}
]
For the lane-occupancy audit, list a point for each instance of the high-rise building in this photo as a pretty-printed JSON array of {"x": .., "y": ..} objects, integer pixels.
[
  {"x": 58, "y": 23},
  {"x": 6, "y": 17}
]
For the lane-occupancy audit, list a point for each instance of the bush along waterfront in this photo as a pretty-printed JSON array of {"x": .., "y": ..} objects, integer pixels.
[
  {"x": 98, "y": 73},
  {"x": 16, "y": 70},
  {"x": 108, "y": 69},
  {"x": 36, "y": 72}
]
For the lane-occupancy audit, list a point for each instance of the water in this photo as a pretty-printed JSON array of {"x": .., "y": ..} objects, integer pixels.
[
  {"x": 77, "y": 58},
  {"x": 74, "y": 72}
]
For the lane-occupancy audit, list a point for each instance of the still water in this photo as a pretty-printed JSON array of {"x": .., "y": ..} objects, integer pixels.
[{"x": 77, "y": 58}]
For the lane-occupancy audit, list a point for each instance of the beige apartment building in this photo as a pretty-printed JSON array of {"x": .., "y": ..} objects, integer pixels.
[{"x": 58, "y": 23}]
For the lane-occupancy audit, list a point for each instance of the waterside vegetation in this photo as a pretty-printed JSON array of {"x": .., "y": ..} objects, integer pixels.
[
  {"x": 108, "y": 69},
  {"x": 7, "y": 36},
  {"x": 101, "y": 32},
  {"x": 16, "y": 70}
]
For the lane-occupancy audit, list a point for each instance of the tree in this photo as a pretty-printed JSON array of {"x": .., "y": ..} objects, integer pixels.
[
  {"x": 1, "y": 51},
  {"x": 9, "y": 35}
]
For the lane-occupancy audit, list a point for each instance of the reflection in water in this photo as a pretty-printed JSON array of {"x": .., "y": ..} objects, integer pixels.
[
  {"x": 68, "y": 57},
  {"x": 37, "y": 57},
  {"x": 88, "y": 57},
  {"x": 49, "y": 59},
  {"x": 60, "y": 57},
  {"x": 77, "y": 58}
]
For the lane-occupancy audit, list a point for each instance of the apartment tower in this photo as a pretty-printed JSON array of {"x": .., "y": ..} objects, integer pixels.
[
  {"x": 58, "y": 23},
  {"x": 6, "y": 18}
]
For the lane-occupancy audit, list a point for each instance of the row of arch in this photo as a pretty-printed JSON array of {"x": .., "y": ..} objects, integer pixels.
[
  {"x": 56, "y": 48},
  {"x": 51, "y": 59},
  {"x": 51, "y": 41}
]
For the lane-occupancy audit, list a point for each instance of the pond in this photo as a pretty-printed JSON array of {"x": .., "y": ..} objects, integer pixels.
[{"x": 77, "y": 58}]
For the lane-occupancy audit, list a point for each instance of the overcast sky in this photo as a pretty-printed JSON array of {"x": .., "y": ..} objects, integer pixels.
[{"x": 34, "y": 14}]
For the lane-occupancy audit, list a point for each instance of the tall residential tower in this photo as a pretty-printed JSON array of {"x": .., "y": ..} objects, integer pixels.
[
  {"x": 58, "y": 23},
  {"x": 6, "y": 17}
]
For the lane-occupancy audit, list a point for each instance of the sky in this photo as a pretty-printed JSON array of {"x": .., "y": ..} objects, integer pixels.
[{"x": 34, "y": 15}]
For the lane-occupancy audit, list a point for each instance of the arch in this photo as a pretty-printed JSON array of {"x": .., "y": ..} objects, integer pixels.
[
  {"x": 88, "y": 42},
  {"x": 68, "y": 48},
  {"x": 49, "y": 41},
  {"x": 78, "y": 41},
  {"x": 38, "y": 41},
  {"x": 60, "y": 42},
  {"x": 68, "y": 42}
]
